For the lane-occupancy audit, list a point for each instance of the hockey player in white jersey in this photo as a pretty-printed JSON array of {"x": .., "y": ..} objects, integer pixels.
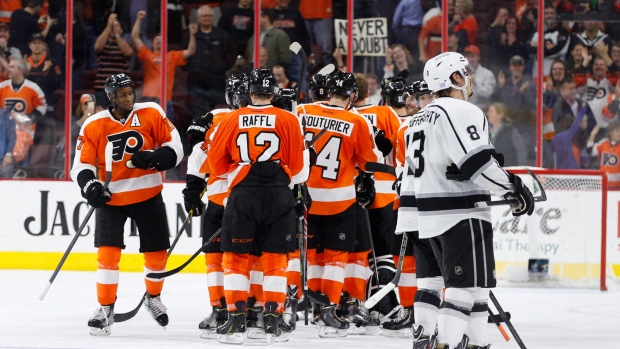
[{"x": 456, "y": 166}]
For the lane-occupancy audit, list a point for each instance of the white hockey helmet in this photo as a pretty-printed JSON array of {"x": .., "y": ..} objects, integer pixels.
[{"x": 439, "y": 69}]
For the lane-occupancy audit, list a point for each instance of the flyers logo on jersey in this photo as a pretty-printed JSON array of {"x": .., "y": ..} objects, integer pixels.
[
  {"x": 15, "y": 104},
  {"x": 610, "y": 159},
  {"x": 125, "y": 142}
]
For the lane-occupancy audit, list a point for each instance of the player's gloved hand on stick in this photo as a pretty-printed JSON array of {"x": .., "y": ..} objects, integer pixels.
[
  {"x": 145, "y": 160},
  {"x": 95, "y": 195},
  {"x": 454, "y": 174},
  {"x": 523, "y": 195},
  {"x": 299, "y": 200},
  {"x": 365, "y": 188},
  {"x": 192, "y": 201},
  {"x": 198, "y": 128},
  {"x": 397, "y": 183}
]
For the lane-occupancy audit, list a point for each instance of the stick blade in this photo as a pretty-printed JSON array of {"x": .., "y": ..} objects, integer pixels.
[
  {"x": 328, "y": 69},
  {"x": 372, "y": 301},
  {"x": 295, "y": 47},
  {"x": 108, "y": 157}
]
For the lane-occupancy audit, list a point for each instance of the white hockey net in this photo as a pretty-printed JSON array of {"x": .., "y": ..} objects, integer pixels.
[{"x": 560, "y": 244}]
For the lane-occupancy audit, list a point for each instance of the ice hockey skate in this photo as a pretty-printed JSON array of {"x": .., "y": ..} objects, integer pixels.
[
  {"x": 255, "y": 324},
  {"x": 209, "y": 325},
  {"x": 290, "y": 307},
  {"x": 275, "y": 329},
  {"x": 357, "y": 314},
  {"x": 420, "y": 341},
  {"x": 401, "y": 325},
  {"x": 102, "y": 321},
  {"x": 329, "y": 325},
  {"x": 231, "y": 332},
  {"x": 156, "y": 308}
]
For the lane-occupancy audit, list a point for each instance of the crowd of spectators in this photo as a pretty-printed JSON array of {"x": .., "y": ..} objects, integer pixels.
[{"x": 209, "y": 40}]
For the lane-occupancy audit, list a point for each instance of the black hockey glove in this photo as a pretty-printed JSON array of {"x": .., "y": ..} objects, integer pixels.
[
  {"x": 499, "y": 157},
  {"x": 144, "y": 160},
  {"x": 522, "y": 194},
  {"x": 454, "y": 174},
  {"x": 383, "y": 144},
  {"x": 198, "y": 128},
  {"x": 193, "y": 202},
  {"x": 95, "y": 195},
  {"x": 365, "y": 189},
  {"x": 299, "y": 200},
  {"x": 397, "y": 183}
]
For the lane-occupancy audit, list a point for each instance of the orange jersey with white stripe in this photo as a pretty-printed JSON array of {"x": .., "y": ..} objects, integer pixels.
[
  {"x": 146, "y": 128},
  {"x": 348, "y": 140},
  {"x": 399, "y": 140},
  {"x": 26, "y": 99},
  {"x": 197, "y": 164},
  {"x": 610, "y": 160},
  {"x": 383, "y": 118},
  {"x": 257, "y": 134}
]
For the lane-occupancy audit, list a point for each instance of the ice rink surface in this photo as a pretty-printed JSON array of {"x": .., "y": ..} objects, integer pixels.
[{"x": 544, "y": 318}]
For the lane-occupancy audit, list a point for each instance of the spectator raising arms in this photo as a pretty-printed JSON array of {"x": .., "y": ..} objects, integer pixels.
[
  {"x": 113, "y": 53},
  {"x": 506, "y": 44},
  {"x": 464, "y": 21},
  {"x": 152, "y": 62}
]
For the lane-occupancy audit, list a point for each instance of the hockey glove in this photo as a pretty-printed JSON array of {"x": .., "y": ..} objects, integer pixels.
[
  {"x": 383, "y": 144},
  {"x": 95, "y": 195},
  {"x": 365, "y": 189},
  {"x": 198, "y": 128},
  {"x": 397, "y": 183},
  {"x": 193, "y": 202},
  {"x": 299, "y": 200},
  {"x": 522, "y": 194},
  {"x": 454, "y": 174},
  {"x": 144, "y": 160}
]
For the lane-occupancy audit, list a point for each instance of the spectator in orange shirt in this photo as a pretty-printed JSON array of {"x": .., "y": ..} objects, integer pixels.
[
  {"x": 152, "y": 60},
  {"x": 429, "y": 41},
  {"x": 608, "y": 151},
  {"x": 465, "y": 20}
]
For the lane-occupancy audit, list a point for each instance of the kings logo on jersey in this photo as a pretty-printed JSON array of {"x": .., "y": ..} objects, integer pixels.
[{"x": 125, "y": 142}]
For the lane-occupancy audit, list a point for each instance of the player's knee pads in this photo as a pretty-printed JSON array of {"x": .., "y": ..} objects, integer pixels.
[
  {"x": 271, "y": 262},
  {"x": 156, "y": 260},
  {"x": 432, "y": 283},
  {"x": 235, "y": 261},
  {"x": 464, "y": 296},
  {"x": 108, "y": 257}
]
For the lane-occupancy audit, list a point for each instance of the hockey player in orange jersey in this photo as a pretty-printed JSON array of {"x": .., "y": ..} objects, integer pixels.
[
  {"x": 260, "y": 149},
  {"x": 145, "y": 143},
  {"x": 332, "y": 217}
]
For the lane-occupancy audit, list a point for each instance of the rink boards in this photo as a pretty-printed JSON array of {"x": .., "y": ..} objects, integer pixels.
[{"x": 40, "y": 218}]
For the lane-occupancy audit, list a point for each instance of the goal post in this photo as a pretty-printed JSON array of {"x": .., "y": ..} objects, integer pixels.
[{"x": 564, "y": 243}]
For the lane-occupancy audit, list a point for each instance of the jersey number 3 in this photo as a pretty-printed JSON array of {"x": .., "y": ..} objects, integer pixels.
[
  {"x": 415, "y": 142},
  {"x": 261, "y": 139}
]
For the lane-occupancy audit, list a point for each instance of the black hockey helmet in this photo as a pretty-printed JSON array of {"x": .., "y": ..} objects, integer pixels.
[
  {"x": 242, "y": 92},
  {"x": 231, "y": 84},
  {"x": 318, "y": 87},
  {"x": 395, "y": 91},
  {"x": 342, "y": 84},
  {"x": 115, "y": 82},
  {"x": 263, "y": 82},
  {"x": 419, "y": 88}
]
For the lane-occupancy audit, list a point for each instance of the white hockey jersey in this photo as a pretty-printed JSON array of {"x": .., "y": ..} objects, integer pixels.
[{"x": 450, "y": 131}]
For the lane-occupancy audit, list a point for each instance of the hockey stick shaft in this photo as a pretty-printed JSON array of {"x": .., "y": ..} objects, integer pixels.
[
  {"x": 504, "y": 317},
  {"x": 499, "y": 326},
  {"x": 539, "y": 198},
  {"x": 372, "y": 301},
  {"x": 372, "y": 247},
  {"x": 108, "y": 178}
]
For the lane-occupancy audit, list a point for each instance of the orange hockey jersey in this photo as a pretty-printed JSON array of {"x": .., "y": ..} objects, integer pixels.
[
  {"x": 383, "y": 118},
  {"x": 146, "y": 128},
  {"x": 258, "y": 134},
  {"x": 610, "y": 161},
  {"x": 28, "y": 98},
  {"x": 197, "y": 164},
  {"x": 347, "y": 141}
]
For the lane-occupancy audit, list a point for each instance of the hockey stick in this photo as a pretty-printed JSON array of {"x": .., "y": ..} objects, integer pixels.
[
  {"x": 120, "y": 317},
  {"x": 379, "y": 167},
  {"x": 506, "y": 320},
  {"x": 303, "y": 250},
  {"x": 328, "y": 69},
  {"x": 108, "y": 177},
  {"x": 372, "y": 246},
  {"x": 539, "y": 198},
  {"x": 499, "y": 326},
  {"x": 372, "y": 301},
  {"x": 299, "y": 51},
  {"x": 182, "y": 266}
]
